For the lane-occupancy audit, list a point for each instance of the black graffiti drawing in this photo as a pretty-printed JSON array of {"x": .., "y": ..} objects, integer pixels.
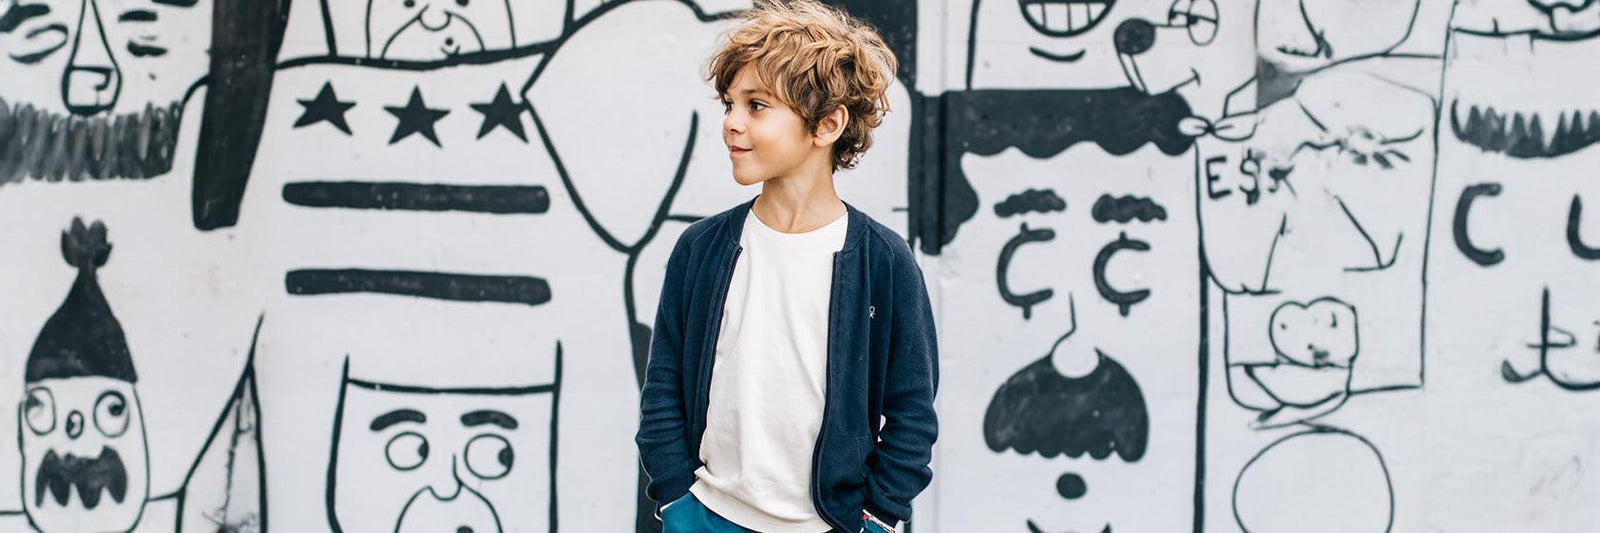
[
  {"x": 502, "y": 112},
  {"x": 1101, "y": 413},
  {"x": 1574, "y": 236},
  {"x": 82, "y": 387},
  {"x": 415, "y": 117},
  {"x": 227, "y": 484},
  {"x": 1458, "y": 227},
  {"x": 1298, "y": 38},
  {"x": 1522, "y": 134},
  {"x": 1126, "y": 209},
  {"x": 1123, "y": 299},
  {"x": 1562, "y": 358},
  {"x": 1030, "y": 201},
  {"x": 524, "y": 290},
  {"x": 437, "y": 29},
  {"x": 421, "y": 458},
  {"x": 1271, "y": 493},
  {"x": 1316, "y": 344},
  {"x": 1043, "y": 123},
  {"x": 325, "y": 107},
  {"x": 1003, "y": 266},
  {"x": 400, "y": 196},
  {"x": 81, "y": 395}
]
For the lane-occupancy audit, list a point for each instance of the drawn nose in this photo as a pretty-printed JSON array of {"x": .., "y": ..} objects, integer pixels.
[
  {"x": 443, "y": 480},
  {"x": 74, "y": 424},
  {"x": 434, "y": 18},
  {"x": 1134, "y": 37},
  {"x": 91, "y": 81}
]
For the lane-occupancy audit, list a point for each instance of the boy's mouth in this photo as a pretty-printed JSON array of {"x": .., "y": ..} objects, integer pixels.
[{"x": 734, "y": 151}]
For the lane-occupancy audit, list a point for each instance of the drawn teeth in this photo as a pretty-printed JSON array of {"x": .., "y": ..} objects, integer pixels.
[{"x": 1064, "y": 17}]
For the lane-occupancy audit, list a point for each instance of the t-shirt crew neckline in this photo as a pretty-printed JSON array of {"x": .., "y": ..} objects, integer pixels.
[{"x": 767, "y": 234}]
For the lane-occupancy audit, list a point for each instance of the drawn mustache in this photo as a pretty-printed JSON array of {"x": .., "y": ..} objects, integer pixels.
[{"x": 60, "y": 474}]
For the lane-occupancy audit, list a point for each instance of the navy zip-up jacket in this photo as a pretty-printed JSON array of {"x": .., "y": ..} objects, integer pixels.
[{"x": 883, "y": 364}]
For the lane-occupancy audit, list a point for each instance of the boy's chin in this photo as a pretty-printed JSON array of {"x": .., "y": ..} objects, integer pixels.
[{"x": 748, "y": 179}]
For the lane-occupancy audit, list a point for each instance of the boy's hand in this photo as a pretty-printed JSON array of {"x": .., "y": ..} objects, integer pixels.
[{"x": 871, "y": 524}]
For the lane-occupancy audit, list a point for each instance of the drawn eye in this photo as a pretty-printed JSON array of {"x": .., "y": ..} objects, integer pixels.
[
  {"x": 45, "y": 40},
  {"x": 39, "y": 409},
  {"x": 111, "y": 414},
  {"x": 490, "y": 456},
  {"x": 1202, "y": 21},
  {"x": 407, "y": 451},
  {"x": 410, "y": 3},
  {"x": 462, "y": 3}
]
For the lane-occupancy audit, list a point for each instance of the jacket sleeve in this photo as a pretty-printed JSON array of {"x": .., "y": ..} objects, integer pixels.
[
  {"x": 905, "y": 446},
  {"x": 663, "y": 426}
]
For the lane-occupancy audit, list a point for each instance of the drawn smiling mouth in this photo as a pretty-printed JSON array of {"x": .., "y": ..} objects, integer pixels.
[
  {"x": 90, "y": 476},
  {"x": 1063, "y": 18},
  {"x": 1034, "y": 528}
]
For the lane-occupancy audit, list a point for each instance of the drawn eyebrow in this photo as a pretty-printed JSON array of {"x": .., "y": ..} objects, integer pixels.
[
  {"x": 20, "y": 13},
  {"x": 397, "y": 416},
  {"x": 141, "y": 50},
  {"x": 176, "y": 3},
  {"x": 488, "y": 416},
  {"x": 137, "y": 15}
]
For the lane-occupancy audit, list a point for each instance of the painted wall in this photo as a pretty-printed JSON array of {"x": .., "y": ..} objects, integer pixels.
[{"x": 1270, "y": 266}]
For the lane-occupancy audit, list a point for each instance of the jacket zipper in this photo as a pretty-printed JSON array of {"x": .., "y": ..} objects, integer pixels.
[
  {"x": 702, "y": 396},
  {"x": 827, "y": 380}
]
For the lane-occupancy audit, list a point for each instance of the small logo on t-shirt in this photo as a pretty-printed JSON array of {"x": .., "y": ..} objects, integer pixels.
[{"x": 872, "y": 312}]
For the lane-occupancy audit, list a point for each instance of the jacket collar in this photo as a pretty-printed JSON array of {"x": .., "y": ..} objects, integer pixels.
[{"x": 855, "y": 231}]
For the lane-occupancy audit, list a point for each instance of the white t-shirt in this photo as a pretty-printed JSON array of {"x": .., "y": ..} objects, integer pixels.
[{"x": 768, "y": 380}]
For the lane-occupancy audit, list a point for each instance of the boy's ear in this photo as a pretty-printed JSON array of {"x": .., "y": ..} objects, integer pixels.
[{"x": 831, "y": 127}]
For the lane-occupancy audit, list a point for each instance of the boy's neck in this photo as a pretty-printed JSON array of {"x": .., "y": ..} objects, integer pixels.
[{"x": 798, "y": 203}]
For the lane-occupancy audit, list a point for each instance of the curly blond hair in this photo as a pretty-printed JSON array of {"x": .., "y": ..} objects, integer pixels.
[{"x": 815, "y": 58}]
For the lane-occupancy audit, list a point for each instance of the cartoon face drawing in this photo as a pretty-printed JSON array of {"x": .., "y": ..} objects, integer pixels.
[
  {"x": 437, "y": 29},
  {"x": 1195, "y": 47},
  {"x": 416, "y": 459},
  {"x": 82, "y": 433},
  {"x": 1081, "y": 285},
  {"x": 83, "y": 451},
  {"x": 117, "y": 56},
  {"x": 1515, "y": 230}
]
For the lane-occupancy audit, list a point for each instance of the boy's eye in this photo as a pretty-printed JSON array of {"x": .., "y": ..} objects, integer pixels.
[
  {"x": 727, "y": 107},
  {"x": 757, "y": 106}
]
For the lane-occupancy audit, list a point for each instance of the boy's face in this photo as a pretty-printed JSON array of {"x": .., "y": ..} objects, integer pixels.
[{"x": 765, "y": 137}]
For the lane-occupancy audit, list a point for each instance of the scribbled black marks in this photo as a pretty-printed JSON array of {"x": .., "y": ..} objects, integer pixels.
[
  {"x": 415, "y": 117},
  {"x": 90, "y": 477},
  {"x": 1071, "y": 486},
  {"x": 1481, "y": 256},
  {"x": 1569, "y": 368},
  {"x": 1051, "y": 17},
  {"x": 1127, "y": 208},
  {"x": 436, "y": 285},
  {"x": 501, "y": 113},
  {"x": 1574, "y": 237},
  {"x": 1521, "y": 134},
  {"x": 1124, "y": 300},
  {"x": 1030, "y": 201},
  {"x": 325, "y": 107},
  {"x": 1323, "y": 480},
  {"x": 1025, "y": 301},
  {"x": 50, "y": 146},
  {"x": 496, "y": 199},
  {"x": 145, "y": 50},
  {"x": 1040, "y": 410}
]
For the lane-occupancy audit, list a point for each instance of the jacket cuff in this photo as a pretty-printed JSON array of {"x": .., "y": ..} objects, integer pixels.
[{"x": 883, "y": 515}]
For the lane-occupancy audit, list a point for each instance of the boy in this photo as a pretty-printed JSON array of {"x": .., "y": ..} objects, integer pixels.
[{"x": 791, "y": 325}]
